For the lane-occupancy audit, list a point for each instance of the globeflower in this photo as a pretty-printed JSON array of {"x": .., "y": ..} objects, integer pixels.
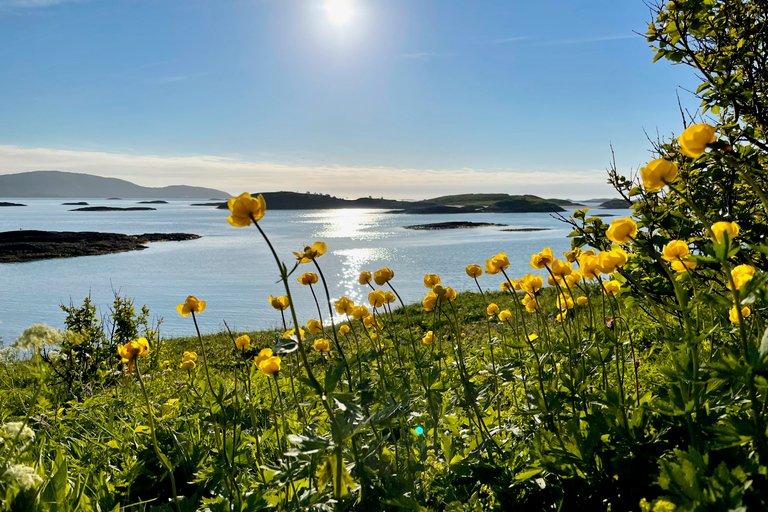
[
  {"x": 658, "y": 173},
  {"x": 344, "y": 306},
  {"x": 675, "y": 250},
  {"x": 622, "y": 230},
  {"x": 314, "y": 326},
  {"x": 560, "y": 269},
  {"x": 505, "y": 315},
  {"x": 572, "y": 255},
  {"x": 311, "y": 253},
  {"x": 531, "y": 283},
  {"x": 243, "y": 342},
  {"x": 561, "y": 316},
  {"x": 733, "y": 314},
  {"x": 588, "y": 265},
  {"x": 474, "y": 271},
  {"x": 544, "y": 259},
  {"x": 191, "y": 305},
  {"x": 132, "y": 350},
  {"x": 530, "y": 303},
  {"x": 359, "y": 312},
  {"x": 245, "y": 209},
  {"x": 308, "y": 278},
  {"x": 582, "y": 300},
  {"x": 389, "y": 297},
  {"x": 365, "y": 278},
  {"x": 609, "y": 261},
  {"x": 428, "y": 338},
  {"x": 383, "y": 276},
  {"x": 720, "y": 229},
  {"x": 573, "y": 278},
  {"x": 444, "y": 294},
  {"x": 188, "y": 361},
  {"x": 344, "y": 329},
  {"x": 683, "y": 266},
  {"x": 431, "y": 280},
  {"x": 270, "y": 366},
  {"x": 290, "y": 334},
  {"x": 695, "y": 139},
  {"x": 564, "y": 301},
  {"x": 377, "y": 298},
  {"x": 492, "y": 309},
  {"x": 611, "y": 287},
  {"x": 264, "y": 354},
  {"x": 370, "y": 321},
  {"x": 321, "y": 345},
  {"x": 279, "y": 303},
  {"x": 742, "y": 275},
  {"x": 429, "y": 301},
  {"x": 497, "y": 264}
]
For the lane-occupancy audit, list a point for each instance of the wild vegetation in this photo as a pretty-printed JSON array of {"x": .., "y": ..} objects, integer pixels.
[{"x": 637, "y": 380}]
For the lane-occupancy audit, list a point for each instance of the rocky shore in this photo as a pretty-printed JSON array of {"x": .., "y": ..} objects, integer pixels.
[{"x": 29, "y": 245}]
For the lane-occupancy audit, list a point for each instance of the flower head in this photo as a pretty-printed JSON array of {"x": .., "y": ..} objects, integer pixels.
[
  {"x": 428, "y": 338},
  {"x": 582, "y": 300},
  {"x": 270, "y": 366},
  {"x": 246, "y": 209},
  {"x": 344, "y": 329},
  {"x": 311, "y": 253},
  {"x": 290, "y": 334},
  {"x": 24, "y": 476},
  {"x": 188, "y": 361},
  {"x": 365, "y": 278},
  {"x": 572, "y": 255},
  {"x": 344, "y": 306},
  {"x": 531, "y": 283},
  {"x": 530, "y": 303},
  {"x": 497, "y": 264},
  {"x": 683, "y": 266},
  {"x": 675, "y": 250},
  {"x": 621, "y": 230},
  {"x": 359, "y": 312},
  {"x": 389, "y": 297},
  {"x": 429, "y": 301},
  {"x": 695, "y": 139},
  {"x": 243, "y": 342},
  {"x": 17, "y": 430},
  {"x": 383, "y": 276},
  {"x": 588, "y": 265},
  {"x": 431, "y": 280},
  {"x": 308, "y": 278},
  {"x": 609, "y": 261},
  {"x": 742, "y": 275},
  {"x": 264, "y": 354},
  {"x": 314, "y": 326},
  {"x": 474, "y": 271},
  {"x": 544, "y": 259},
  {"x": 733, "y": 314},
  {"x": 505, "y": 315},
  {"x": 279, "y": 303},
  {"x": 321, "y": 345},
  {"x": 611, "y": 287},
  {"x": 560, "y": 269},
  {"x": 132, "y": 350},
  {"x": 191, "y": 305},
  {"x": 561, "y": 316},
  {"x": 370, "y": 321},
  {"x": 721, "y": 229},
  {"x": 573, "y": 278},
  {"x": 492, "y": 309},
  {"x": 564, "y": 301},
  {"x": 377, "y": 298},
  {"x": 658, "y": 173}
]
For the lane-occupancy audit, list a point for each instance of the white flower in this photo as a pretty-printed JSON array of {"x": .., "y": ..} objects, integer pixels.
[
  {"x": 39, "y": 335},
  {"x": 11, "y": 430},
  {"x": 23, "y": 475}
]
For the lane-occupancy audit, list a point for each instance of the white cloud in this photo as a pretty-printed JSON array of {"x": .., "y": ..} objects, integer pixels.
[{"x": 235, "y": 175}]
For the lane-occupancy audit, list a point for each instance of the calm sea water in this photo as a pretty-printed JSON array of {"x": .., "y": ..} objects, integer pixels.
[{"x": 232, "y": 269}]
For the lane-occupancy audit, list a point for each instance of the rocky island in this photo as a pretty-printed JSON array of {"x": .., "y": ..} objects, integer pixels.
[
  {"x": 11, "y": 204},
  {"x": 452, "y": 225},
  {"x": 30, "y": 245},
  {"x": 112, "y": 209}
]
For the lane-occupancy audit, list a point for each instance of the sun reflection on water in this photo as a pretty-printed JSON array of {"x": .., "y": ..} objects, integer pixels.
[
  {"x": 355, "y": 261},
  {"x": 347, "y": 223}
]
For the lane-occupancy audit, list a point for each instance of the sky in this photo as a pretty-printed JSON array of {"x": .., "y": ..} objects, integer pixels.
[{"x": 394, "y": 98}]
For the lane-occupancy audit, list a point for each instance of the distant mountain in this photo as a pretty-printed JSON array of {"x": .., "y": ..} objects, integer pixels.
[
  {"x": 504, "y": 202},
  {"x": 70, "y": 184},
  {"x": 615, "y": 204}
]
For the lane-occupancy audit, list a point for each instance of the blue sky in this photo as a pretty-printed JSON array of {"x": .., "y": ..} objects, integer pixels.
[{"x": 409, "y": 98}]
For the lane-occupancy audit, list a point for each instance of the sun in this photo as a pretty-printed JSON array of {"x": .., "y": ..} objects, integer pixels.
[{"x": 339, "y": 11}]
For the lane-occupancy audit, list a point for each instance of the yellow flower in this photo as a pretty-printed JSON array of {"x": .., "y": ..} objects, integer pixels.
[
  {"x": 609, "y": 261},
  {"x": 270, "y": 366},
  {"x": 377, "y": 298},
  {"x": 264, "y": 354},
  {"x": 560, "y": 269},
  {"x": 733, "y": 315},
  {"x": 383, "y": 276},
  {"x": 291, "y": 333},
  {"x": 189, "y": 356},
  {"x": 564, "y": 301},
  {"x": 474, "y": 271},
  {"x": 365, "y": 278},
  {"x": 742, "y": 275},
  {"x": 544, "y": 259},
  {"x": 431, "y": 280},
  {"x": 695, "y": 139},
  {"x": 243, "y": 342},
  {"x": 572, "y": 255},
  {"x": 683, "y": 266},
  {"x": 187, "y": 365},
  {"x": 675, "y": 250},
  {"x": 321, "y": 345},
  {"x": 344, "y": 306},
  {"x": 344, "y": 329},
  {"x": 308, "y": 278},
  {"x": 132, "y": 350},
  {"x": 245, "y": 209},
  {"x": 611, "y": 287},
  {"x": 428, "y": 338},
  {"x": 188, "y": 361},
  {"x": 505, "y": 315},
  {"x": 573, "y": 278},
  {"x": 561, "y": 316},
  {"x": 191, "y": 305},
  {"x": 532, "y": 337},
  {"x": 621, "y": 230},
  {"x": 497, "y": 263},
  {"x": 450, "y": 295},
  {"x": 531, "y": 283},
  {"x": 509, "y": 285},
  {"x": 390, "y": 297},
  {"x": 166, "y": 364},
  {"x": 588, "y": 265},
  {"x": 371, "y": 321},
  {"x": 552, "y": 281},
  {"x": 314, "y": 326},
  {"x": 492, "y": 309},
  {"x": 359, "y": 312},
  {"x": 658, "y": 173},
  {"x": 530, "y": 303},
  {"x": 429, "y": 301},
  {"x": 279, "y": 303},
  {"x": 720, "y": 229},
  {"x": 581, "y": 301},
  {"x": 310, "y": 253},
  {"x": 376, "y": 339}
]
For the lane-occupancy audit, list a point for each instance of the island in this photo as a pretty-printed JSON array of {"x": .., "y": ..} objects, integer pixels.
[
  {"x": 11, "y": 204},
  {"x": 452, "y": 225},
  {"x": 615, "y": 204},
  {"x": 112, "y": 209},
  {"x": 527, "y": 229},
  {"x": 30, "y": 245},
  {"x": 157, "y": 201},
  {"x": 81, "y": 203}
]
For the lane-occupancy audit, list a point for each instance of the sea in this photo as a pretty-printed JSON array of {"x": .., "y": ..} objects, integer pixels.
[{"x": 233, "y": 270}]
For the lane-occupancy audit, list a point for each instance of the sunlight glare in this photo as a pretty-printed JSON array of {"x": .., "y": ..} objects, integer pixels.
[{"x": 339, "y": 11}]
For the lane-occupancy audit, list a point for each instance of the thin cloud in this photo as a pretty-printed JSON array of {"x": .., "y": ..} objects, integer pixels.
[
  {"x": 36, "y": 3},
  {"x": 584, "y": 40},
  {"x": 236, "y": 175}
]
